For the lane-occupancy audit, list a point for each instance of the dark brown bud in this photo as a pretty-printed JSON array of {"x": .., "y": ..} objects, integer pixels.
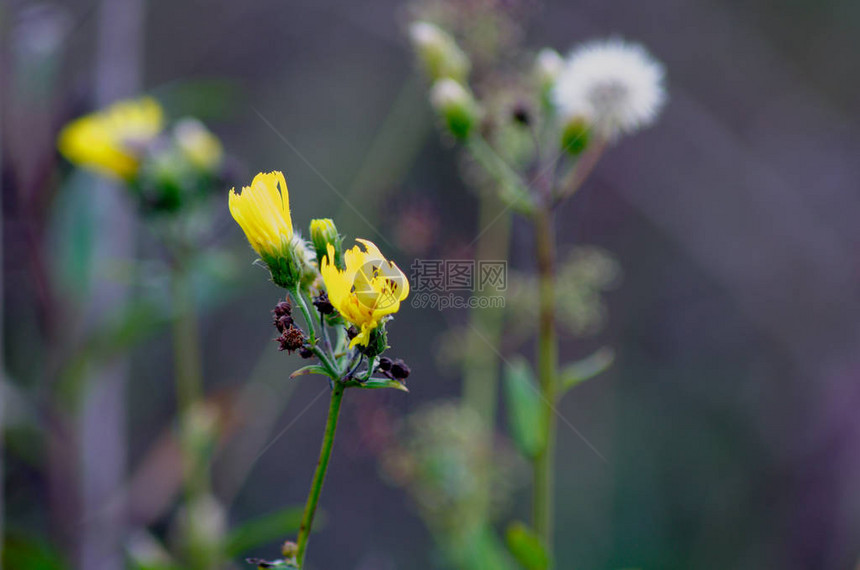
[
  {"x": 283, "y": 322},
  {"x": 521, "y": 114},
  {"x": 352, "y": 332},
  {"x": 306, "y": 352},
  {"x": 292, "y": 339},
  {"x": 283, "y": 309},
  {"x": 323, "y": 305},
  {"x": 384, "y": 364},
  {"x": 400, "y": 370}
]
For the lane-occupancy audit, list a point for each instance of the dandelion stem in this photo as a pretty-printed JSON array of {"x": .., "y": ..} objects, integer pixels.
[
  {"x": 319, "y": 474},
  {"x": 580, "y": 171},
  {"x": 543, "y": 465}
]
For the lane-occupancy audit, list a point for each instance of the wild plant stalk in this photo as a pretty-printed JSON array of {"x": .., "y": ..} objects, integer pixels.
[
  {"x": 481, "y": 366},
  {"x": 188, "y": 365},
  {"x": 545, "y": 193},
  {"x": 319, "y": 473},
  {"x": 544, "y": 460},
  {"x": 188, "y": 373}
]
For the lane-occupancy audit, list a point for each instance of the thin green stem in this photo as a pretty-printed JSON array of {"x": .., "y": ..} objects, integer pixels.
[
  {"x": 326, "y": 361},
  {"x": 543, "y": 465},
  {"x": 580, "y": 171},
  {"x": 481, "y": 367},
  {"x": 187, "y": 355},
  {"x": 319, "y": 474},
  {"x": 303, "y": 306},
  {"x": 512, "y": 188}
]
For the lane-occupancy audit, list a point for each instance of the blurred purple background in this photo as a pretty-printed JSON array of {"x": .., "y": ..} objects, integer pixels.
[{"x": 731, "y": 419}]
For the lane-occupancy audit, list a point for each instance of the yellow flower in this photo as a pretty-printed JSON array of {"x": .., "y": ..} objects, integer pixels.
[
  {"x": 108, "y": 141},
  {"x": 263, "y": 212},
  {"x": 368, "y": 289}
]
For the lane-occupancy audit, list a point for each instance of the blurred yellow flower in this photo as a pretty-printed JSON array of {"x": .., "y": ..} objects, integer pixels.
[
  {"x": 199, "y": 146},
  {"x": 263, "y": 212},
  {"x": 109, "y": 141},
  {"x": 370, "y": 287}
]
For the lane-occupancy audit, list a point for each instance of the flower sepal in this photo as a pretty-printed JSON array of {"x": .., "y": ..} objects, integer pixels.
[{"x": 377, "y": 342}]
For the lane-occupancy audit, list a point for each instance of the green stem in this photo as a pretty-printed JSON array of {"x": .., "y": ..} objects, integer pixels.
[
  {"x": 319, "y": 474},
  {"x": 189, "y": 377},
  {"x": 481, "y": 366},
  {"x": 303, "y": 306},
  {"x": 580, "y": 171},
  {"x": 512, "y": 188},
  {"x": 547, "y": 375}
]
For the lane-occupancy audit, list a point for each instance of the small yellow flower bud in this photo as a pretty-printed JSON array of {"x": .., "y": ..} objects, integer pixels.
[
  {"x": 323, "y": 233},
  {"x": 456, "y": 105},
  {"x": 438, "y": 51}
]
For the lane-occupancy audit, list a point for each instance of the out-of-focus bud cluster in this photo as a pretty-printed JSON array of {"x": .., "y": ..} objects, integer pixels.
[
  {"x": 447, "y": 66},
  {"x": 444, "y": 458},
  {"x": 602, "y": 90},
  {"x": 200, "y": 531},
  {"x": 582, "y": 280},
  {"x": 488, "y": 30},
  {"x": 168, "y": 167}
]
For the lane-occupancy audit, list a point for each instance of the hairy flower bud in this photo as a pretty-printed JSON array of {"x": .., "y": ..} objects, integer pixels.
[
  {"x": 547, "y": 67},
  {"x": 438, "y": 51},
  {"x": 456, "y": 106},
  {"x": 324, "y": 232}
]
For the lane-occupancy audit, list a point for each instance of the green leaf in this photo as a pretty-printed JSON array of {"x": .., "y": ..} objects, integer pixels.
[
  {"x": 266, "y": 528},
  {"x": 312, "y": 369},
  {"x": 527, "y": 547},
  {"x": 376, "y": 383},
  {"x": 587, "y": 368},
  {"x": 31, "y": 552},
  {"x": 524, "y": 407},
  {"x": 260, "y": 563}
]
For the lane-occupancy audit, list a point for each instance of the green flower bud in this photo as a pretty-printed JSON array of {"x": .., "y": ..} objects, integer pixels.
[
  {"x": 324, "y": 232},
  {"x": 575, "y": 135},
  {"x": 439, "y": 53},
  {"x": 548, "y": 65},
  {"x": 456, "y": 106}
]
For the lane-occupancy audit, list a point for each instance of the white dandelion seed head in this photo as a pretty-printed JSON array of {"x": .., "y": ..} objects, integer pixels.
[{"x": 617, "y": 87}]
